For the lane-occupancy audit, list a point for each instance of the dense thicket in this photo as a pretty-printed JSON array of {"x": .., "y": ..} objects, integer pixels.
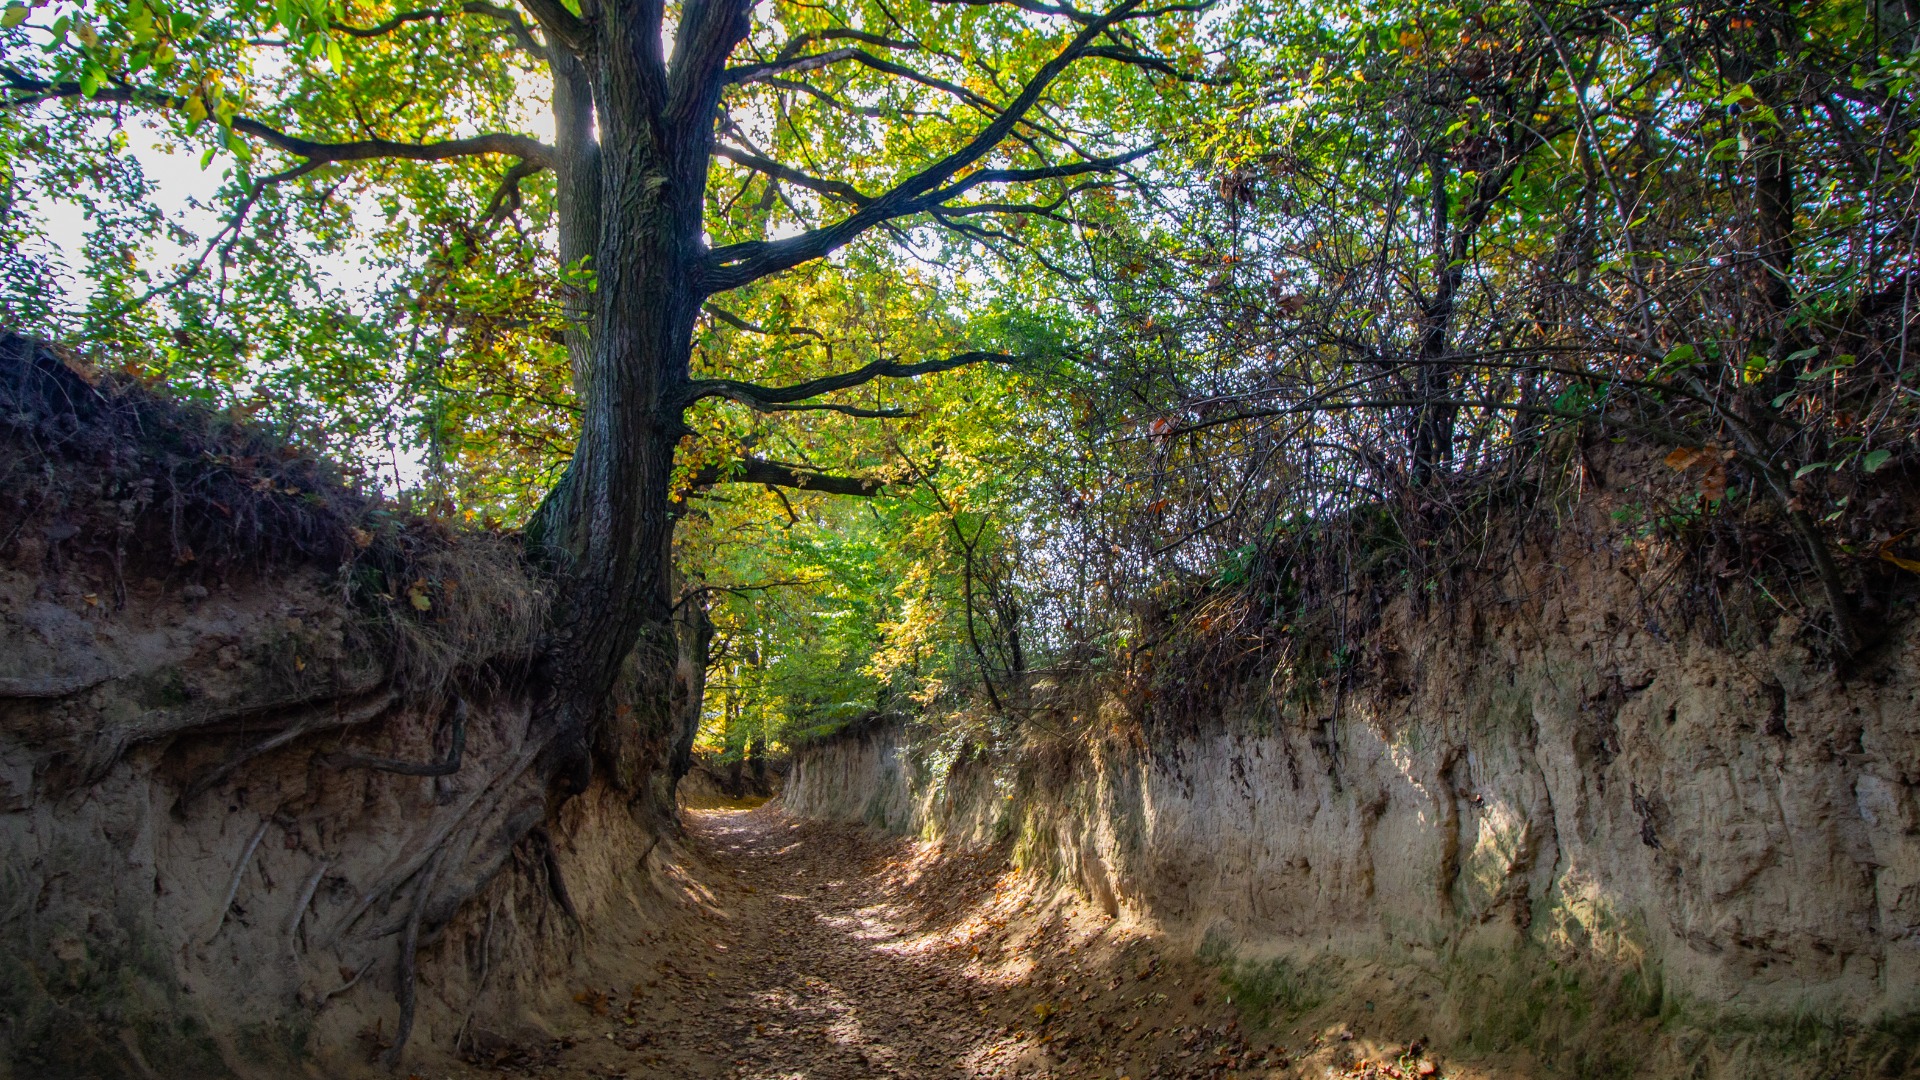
[{"x": 1442, "y": 249}]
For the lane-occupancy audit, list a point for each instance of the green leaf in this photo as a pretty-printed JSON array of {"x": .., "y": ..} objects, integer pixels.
[
  {"x": 1875, "y": 460},
  {"x": 1841, "y": 362},
  {"x": 13, "y": 16},
  {"x": 1809, "y": 469}
]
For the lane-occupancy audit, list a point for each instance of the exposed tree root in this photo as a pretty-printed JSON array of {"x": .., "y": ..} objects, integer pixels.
[
  {"x": 351, "y": 982},
  {"x": 244, "y": 718},
  {"x": 130, "y": 1042},
  {"x": 319, "y": 719},
  {"x": 556, "y": 884},
  {"x": 446, "y": 767},
  {"x": 480, "y": 984},
  {"x": 239, "y": 871},
  {"x": 402, "y": 869},
  {"x": 301, "y": 905},
  {"x": 51, "y": 686},
  {"x": 409, "y": 961}
]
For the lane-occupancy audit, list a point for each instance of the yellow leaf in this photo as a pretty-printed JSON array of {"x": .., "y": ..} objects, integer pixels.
[
  {"x": 419, "y": 600},
  {"x": 1904, "y": 564}
]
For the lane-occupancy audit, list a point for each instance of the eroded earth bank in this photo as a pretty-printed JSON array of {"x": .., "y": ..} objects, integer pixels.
[
  {"x": 274, "y": 801},
  {"x": 1557, "y": 825}
]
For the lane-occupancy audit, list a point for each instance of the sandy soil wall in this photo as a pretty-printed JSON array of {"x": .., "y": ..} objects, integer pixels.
[
  {"x": 209, "y": 864},
  {"x": 1547, "y": 769}
]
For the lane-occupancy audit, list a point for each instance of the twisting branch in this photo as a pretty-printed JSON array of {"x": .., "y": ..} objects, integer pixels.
[
  {"x": 735, "y": 590},
  {"x": 735, "y": 265},
  {"x": 506, "y": 197},
  {"x": 30, "y": 90},
  {"x": 778, "y": 475},
  {"x": 753, "y": 394},
  {"x": 522, "y": 34},
  {"x": 835, "y": 189},
  {"x": 739, "y": 264}
]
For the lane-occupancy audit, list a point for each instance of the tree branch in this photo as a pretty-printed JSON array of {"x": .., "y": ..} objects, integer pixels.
[
  {"x": 843, "y": 33},
  {"x": 506, "y": 197},
  {"x": 520, "y": 146},
  {"x": 835, "y": 189},
  {"x": 522, "y": 34},
  {"x": 738, "y": 264},
  {"x": 757, "y": 396},
  {"x": 317, "y": 153},
  {"x": 776, "y": 474},
  {"x": 753, "y": 73},
  {"x": 827, "y": 406},
  {"x": 559, "y": 23},
  {"x": 739, "y": 323}
]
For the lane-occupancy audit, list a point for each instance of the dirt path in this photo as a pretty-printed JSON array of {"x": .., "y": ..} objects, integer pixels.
[
  {"x": 826, "y": 952},
  {"x": 828, "y": 974}
]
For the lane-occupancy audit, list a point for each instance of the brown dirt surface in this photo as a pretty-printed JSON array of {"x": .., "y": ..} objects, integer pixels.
[{"x": 832, "y": 952}]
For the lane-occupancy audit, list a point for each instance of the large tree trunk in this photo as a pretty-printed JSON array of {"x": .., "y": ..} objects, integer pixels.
[
  {"x": 607, "y": 529},
  {"x": 577, "y": 186}
]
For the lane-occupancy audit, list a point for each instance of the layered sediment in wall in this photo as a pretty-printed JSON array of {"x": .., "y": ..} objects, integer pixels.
[{"x": 1543, "y": 772}]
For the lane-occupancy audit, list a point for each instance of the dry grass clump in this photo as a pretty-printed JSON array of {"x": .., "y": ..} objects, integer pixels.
[{"x": 104, "y": 472}]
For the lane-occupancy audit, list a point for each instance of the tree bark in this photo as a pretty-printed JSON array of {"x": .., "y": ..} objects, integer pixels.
[{"x": 607, "y": 528}]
